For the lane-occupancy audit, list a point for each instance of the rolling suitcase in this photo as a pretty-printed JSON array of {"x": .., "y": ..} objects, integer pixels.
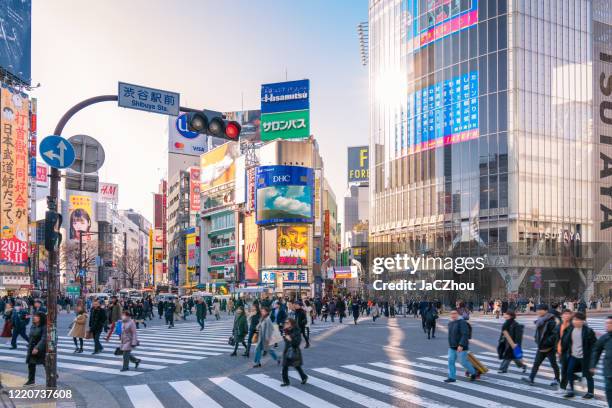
[{"x": 480, "y": 368}]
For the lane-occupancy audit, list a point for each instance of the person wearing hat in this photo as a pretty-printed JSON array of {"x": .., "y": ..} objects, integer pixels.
[
  {"x": 302, "y": 321},
  {"x": 546, "y": 339}
]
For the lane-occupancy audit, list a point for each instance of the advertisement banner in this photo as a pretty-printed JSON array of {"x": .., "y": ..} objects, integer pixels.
[
  {"x": 250, "y": 197},
  {"x": 182, "y": 141},
  {"x": 285, "y": 96},
  {"x": 192, "y": 241},
  {"x": 251, "y": 248},
  {"x": 284, "y": 194},
  {"x": 358, "y": 164},
  {"x": 217, "y": 166},
  {"x": 80, "y": 216},
  {"x": 292, "y": 245},
  {"x": 194, "y": 189},
  {"x": 14, "y": 195},
  {"x": 109, "y": 193},
  {"x": 42, "y": 175},
  {"x": 16, "y": 54},
  {"x": 285, "y": 125},
  {"x": 318, "y": 182}
]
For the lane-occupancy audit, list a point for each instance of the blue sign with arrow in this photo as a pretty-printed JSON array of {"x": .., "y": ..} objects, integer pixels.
[{"x": 57, "y": 152}]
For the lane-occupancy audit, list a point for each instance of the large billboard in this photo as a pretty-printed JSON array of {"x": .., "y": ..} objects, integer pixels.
[
  {"x": 16, "y": 44},
  {"x": 358, "y": 164},
  {"x": 292, "y": 245},
  {"x": 285, "y": 110},
  {"x": 443, "y": 113},
  {"x": 80, "y": 216},
  {"x": 14, "y": 197},
  {"x": 217, "y": 166},
  {"x": 251, "y": 248},
  {"x": 284, "y": 194},
  {"x": 427, "y": 21}
]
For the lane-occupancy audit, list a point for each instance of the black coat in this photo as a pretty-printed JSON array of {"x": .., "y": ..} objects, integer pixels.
[
  {"x": 588, "y": 343},
  {"x": 546, "y": 333},
  {"x": 458, "y": 334},
  {"x": 97, "y": 320},
  {"x": 300, "y": 319},
  {"x": 504, "y": 351},
  {"x": 38, "y": 340},
  {"x": 603, "y": 344},
  {"x": 431, "y": 315},
  {"x": 294, "y": 345}
]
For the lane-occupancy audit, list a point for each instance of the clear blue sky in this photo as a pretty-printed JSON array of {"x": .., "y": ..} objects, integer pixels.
[{"x": 212, "y": 52}]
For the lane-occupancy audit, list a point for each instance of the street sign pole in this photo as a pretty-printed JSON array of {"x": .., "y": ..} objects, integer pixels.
[{"x": 53, "y": 275}]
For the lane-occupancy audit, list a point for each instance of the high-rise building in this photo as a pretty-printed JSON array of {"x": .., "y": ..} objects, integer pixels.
[{"x": 488, "y": 126}]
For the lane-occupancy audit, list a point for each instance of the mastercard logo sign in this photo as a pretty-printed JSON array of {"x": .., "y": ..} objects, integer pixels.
[{"x": 179, "y": 145}]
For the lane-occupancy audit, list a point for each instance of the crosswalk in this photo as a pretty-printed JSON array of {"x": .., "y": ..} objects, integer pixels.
[
  {"x": 596, "y": 323},
  {"x": 382, "y": 384},
  {"x": 159, "y": 348}
]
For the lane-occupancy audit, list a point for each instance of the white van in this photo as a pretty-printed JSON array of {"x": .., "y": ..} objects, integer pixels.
[{"x": 102, "y": 297}]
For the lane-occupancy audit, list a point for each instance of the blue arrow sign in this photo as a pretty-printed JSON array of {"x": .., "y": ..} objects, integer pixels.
[{"x": 57, "y": 152}]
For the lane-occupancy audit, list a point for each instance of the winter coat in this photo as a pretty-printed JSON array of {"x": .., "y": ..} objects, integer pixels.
[
  {"x": 115, "y": 313},
  {"x": 332, "y": 308},
  {"x": 169, "y": 309},
  {"x": 38, "y": 340},
  {"x": 588, "y": 343},
  {"x": 253, "y": 323},
  {"x": 458, "y": 334},
  {"x": 20, "y": 321},
  {"x": 200, "y": 310},
  {"x": 78, "y": 326},
  {"x": 603, "y": 344},
  {"x": 241, "y": 327},
  {"x": 355, "y": 308},
  {"x": 129, "y": 338},
  {"x": 301, "y": 319},
  {"x": 431, "y": 315},
  {"x": 265, "y": 329},
  {"x": 293, "y": 344},
  {"x": 97, "y": 319},
  {"x": 545, "y": 334},
  {"x": 515, "y": 330}
]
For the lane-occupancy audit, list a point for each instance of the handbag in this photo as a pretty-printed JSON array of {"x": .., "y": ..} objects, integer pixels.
[
  {"x": 118, "y": 351},
  {"x": 290, "y": 355},
  {"x": 231, "y": 341},
  {"x": 118, "y": 326},
  {"x": 88, "y": 335},
  {"x": 518, "y": 352},
  {"x": 255, "y": 337}
]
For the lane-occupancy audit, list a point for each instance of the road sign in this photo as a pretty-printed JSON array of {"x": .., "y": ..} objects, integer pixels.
[
  {"x": 148, "y": 99},
  {"x": 57, "y": 152},
  {"x": 89, "y": 154}
]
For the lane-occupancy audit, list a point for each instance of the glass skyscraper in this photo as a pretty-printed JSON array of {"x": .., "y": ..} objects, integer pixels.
[{"x": 484, "y": 139}]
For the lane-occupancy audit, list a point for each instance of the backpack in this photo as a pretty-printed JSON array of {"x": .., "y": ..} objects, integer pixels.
[{"x": 469, "y": 330}]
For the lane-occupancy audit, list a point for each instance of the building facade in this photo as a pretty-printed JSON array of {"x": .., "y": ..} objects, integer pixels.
[{"x": 481, "y": 139}]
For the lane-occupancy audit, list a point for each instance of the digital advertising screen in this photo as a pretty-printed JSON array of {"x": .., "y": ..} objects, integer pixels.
[
  {"x": 284, "y": 194},
  {"x": 444, "y": 113},
  {"x": 292, "y": 241}
]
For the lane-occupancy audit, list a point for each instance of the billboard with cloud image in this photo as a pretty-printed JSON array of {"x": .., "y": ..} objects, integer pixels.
[{"x": 284, "y": 194}]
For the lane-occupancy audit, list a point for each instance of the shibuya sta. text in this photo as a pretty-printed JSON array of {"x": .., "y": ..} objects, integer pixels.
[{"x": 406, "y": 285}]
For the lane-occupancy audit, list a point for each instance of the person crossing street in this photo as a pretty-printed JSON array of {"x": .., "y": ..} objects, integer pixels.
[
  {"x": 546, "y": 339},
  {"x": 577, "y": 347},
  {"x": 129, "y": 340},
  {"x": 239, "y": 330},
  {"x": 201, "y": 313},
  {"x": 604, "y": 344},
  {"x": 458, "y": 345}
]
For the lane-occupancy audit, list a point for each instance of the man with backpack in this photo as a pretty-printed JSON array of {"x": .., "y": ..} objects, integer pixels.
[
  {"x": 546, "y": 340},
  {"x": 300, "y": 319}
]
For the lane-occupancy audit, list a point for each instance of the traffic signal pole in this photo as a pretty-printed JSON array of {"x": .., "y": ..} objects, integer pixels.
[{"x": 53, "y": 274}]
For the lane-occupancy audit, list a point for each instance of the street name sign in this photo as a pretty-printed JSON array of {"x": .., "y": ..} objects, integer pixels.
[
  {"x": 148, "y": 99},
  {"x": 57, "y": 152}
]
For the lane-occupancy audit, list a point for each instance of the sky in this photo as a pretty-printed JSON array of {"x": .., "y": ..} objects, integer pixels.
[{"x": 216, "y": 54}]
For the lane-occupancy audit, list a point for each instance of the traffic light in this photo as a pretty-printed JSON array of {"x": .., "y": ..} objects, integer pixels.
[
  {"x": 212, "y": 123},
  {"x": 53, "y": 238}
]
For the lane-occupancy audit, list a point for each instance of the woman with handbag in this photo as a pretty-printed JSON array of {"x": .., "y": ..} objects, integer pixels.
[
  {"x": 509, "y": 345},
  {"x": 253, "y": 321},
  {"x": 129, "y": 340},
  {"x": 292, "y": 356},
  {"x": 240, "y": 330},
  {"x": 267, "y": 334},
  {"x": 78, "y": 329}
]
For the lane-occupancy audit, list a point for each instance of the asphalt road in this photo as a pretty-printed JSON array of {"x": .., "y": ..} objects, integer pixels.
[{"x": 385, "y": 363}]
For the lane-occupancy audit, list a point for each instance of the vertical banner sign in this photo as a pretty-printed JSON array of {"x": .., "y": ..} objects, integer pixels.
[
  {"x": 14, "y": 120},
  {"x": 164, "y": 228},
  {"x": 326, "y": 233},
  {"x": 80, "y": 217},
  {"x": 194, "y": 188},
  {"x": 250, "y": 204},
  {"x": 251, "y": 248},
  {"x": 317, "y": 201}
]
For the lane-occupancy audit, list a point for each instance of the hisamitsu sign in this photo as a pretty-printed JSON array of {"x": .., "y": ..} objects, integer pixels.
[
  {"x": 358, "y": 164},
  {"x": 148, "y": 99},
  {"x": 285, "y": 96}
]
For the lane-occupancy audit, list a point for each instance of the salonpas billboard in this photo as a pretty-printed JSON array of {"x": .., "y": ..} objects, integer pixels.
[
  {"x": 284, "y": 194},
  {"x": 285, "y": 110}
]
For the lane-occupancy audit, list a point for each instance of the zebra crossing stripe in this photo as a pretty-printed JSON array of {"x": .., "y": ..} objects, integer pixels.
[
  {"x": 97, "y": 369},
  {"x": 248, "y": 397},
  {"x": 351, "y": 395},
  {"x": 385, "y": 389},
  {"x": 292, "y": 392},
  {"x": 141, "y": 396},
  {"x": 198, "y": 351},
  {"x": 193, "y": 395},
  {"x": 503, "y": 381},
  {"x": 174, "y": 357},
  {"x": 447, "y": 392},
  {"x": 475, "y": 387}
]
